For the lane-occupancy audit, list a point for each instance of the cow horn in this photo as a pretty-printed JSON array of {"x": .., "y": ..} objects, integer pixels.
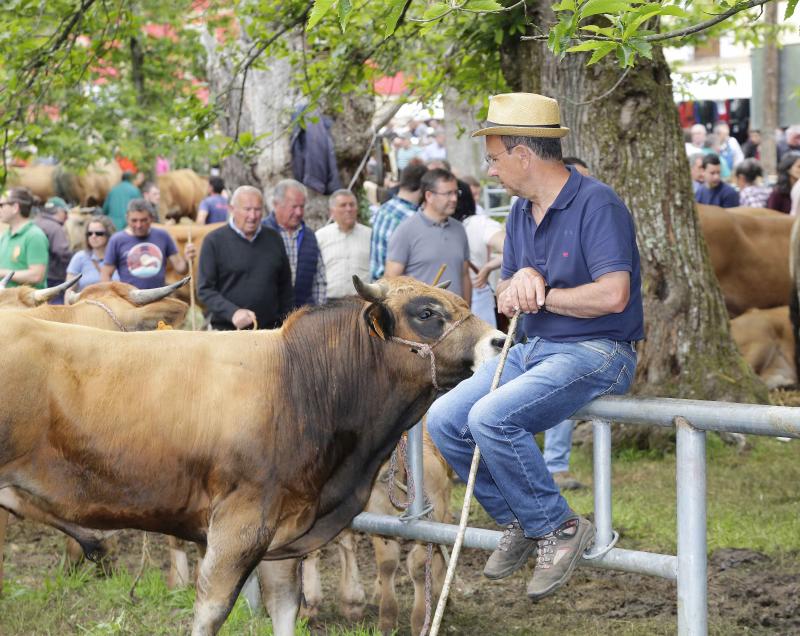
[
  {"x": 71, "y": 297},
  {"x": 141, "y": 297},
  {"x": 43, "y": 295},
  {"x": 444, "y": 284},
  {"x": 372, "y": 292},
  {"x": 6, "y": 280}
]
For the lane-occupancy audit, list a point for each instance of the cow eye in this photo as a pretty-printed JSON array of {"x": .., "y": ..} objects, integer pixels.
[{"x": 425, "y": 314}]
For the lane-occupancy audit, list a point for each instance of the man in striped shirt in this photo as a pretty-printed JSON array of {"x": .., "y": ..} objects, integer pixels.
[
  {"x": 308, "y": 269},
  {"x": 392, "y": 213}
]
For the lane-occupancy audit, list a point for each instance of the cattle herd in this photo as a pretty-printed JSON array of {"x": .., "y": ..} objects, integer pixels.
[
  {"x": 256, "y": 446},
  {"x": 224, "y": 439}
]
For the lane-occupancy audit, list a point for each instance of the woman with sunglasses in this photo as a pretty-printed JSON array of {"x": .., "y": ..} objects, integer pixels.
[{"x": 89, "y": 261}]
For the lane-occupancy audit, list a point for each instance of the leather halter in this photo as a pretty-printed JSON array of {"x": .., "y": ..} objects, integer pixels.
[{"x": 424, "y": 350}]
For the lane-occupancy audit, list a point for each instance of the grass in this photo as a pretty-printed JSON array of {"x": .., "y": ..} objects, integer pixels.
[{"x": 752, "y": 503}]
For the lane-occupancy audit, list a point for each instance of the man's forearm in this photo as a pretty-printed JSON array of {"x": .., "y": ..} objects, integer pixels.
[{"x": 586, "y": 301}]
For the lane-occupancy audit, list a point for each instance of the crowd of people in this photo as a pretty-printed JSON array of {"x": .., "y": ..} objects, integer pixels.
[
  {"x": 568, "y": 261},
  {"x": 728, "y": 174}
]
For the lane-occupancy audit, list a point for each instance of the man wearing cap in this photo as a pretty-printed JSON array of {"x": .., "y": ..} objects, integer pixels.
[
  {"x": 571, "y": 267},
  {"x": 51, "y": 222},
  {"x": 23, "y": 246}
]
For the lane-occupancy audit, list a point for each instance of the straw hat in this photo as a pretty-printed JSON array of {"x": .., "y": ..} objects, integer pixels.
[{"x": 524, "y": 114}]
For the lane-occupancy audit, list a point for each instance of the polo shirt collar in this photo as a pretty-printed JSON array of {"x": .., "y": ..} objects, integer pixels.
[
  {"x": 569, "y": 191},
  {"x": 430, "y": 223},
  {"x": 23, "y": 228}
]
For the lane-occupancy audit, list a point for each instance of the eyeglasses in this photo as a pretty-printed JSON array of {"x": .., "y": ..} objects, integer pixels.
[
  {"x": 492, "y": 159},
  {"x": 451, "y": 193},
  {"x": 101, "y": 233},
  {"x": 4, "y": 203}
]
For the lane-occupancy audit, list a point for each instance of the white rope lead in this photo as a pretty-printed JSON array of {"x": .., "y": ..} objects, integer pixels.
[{"x": 473, "y": 471}]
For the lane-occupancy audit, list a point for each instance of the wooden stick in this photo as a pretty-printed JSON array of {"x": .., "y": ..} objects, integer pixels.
[
  {"x": 439, "y": 274},
  {"x": 191, "y": 284}
]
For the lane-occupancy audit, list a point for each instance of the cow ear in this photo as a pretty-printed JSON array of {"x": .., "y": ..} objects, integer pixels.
[{"x": 379, "y": 321}]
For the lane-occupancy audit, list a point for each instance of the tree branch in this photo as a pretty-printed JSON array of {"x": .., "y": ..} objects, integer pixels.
[{"x": 678, "y": 33}]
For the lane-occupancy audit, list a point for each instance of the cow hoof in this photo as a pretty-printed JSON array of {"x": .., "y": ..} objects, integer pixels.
[{"x": 352, "y": 611}]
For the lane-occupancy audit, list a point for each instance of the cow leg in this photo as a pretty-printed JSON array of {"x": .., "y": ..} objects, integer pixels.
[
  {"x": 351, "y": 593},
  {"x": 312, "y": 585},
  {"x": 178, "y": 575},
  {"x": 235, "y": 543},
  {"x": 387, "y": 556},
  {"x": 3, "y": 525},
  {"x": 280, "y": 591}
]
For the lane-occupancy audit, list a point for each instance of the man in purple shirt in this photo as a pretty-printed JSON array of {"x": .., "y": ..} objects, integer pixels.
[
  {"x": 139, "y": 253},
  {"x": 214, "y": 208},
  {"x": 571, "y": 266},
  {"x": 714, "y": 190}
]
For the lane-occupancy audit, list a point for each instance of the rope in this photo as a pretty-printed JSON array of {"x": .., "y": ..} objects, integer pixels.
[
  {"x": 107, "y": 309},
  {"x": 473, "y": 471},
  {"x": 145, "y": 558},
  {"x": 191, "y": 284}
]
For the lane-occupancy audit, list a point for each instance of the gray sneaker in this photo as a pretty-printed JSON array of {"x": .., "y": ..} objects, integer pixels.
[
  {"x": 559, "y": 553},
  {"x": 511, "y": 553}
]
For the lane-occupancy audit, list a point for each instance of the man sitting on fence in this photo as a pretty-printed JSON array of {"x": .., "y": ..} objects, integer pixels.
[{"x": 571, "y": 265}]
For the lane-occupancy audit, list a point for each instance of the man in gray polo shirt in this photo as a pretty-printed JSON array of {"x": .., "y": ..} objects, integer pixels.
[{"x": 429, "y": 239}]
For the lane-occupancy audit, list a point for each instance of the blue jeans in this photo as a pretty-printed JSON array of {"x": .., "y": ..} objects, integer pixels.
[
  {"x": 557, "y": 446},
  {"x": 543, "y": 383}
]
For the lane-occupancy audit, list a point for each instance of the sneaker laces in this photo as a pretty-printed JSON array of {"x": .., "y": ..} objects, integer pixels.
[
  {"x": 513, "y": 531},
  {"x": 546, "y": 544}
]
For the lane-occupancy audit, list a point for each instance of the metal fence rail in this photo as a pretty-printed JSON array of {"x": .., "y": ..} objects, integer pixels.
[{"x": 691, "y": 418}]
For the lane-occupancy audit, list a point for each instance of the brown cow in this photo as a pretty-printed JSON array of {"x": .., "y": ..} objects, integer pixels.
[
  {"x": 749, "y": 250},
  {"x": 181, "y": 194},
  {"x": 114, "y": 306},
  {"x": 180, "y": 234},
  {"x": 764, "y": 337},
  {"x": 88, "y": 188},
  {"x": 270, "y": 448}
]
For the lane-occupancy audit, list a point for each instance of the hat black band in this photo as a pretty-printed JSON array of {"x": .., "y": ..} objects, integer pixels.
[{"x": 491, "y": 123}]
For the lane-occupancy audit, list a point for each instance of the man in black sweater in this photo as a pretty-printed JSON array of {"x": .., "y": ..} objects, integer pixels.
[{"x": 244, "y": 278}]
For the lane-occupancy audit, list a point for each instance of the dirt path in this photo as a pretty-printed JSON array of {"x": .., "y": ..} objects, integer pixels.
[{"x": 748, "y": 592}]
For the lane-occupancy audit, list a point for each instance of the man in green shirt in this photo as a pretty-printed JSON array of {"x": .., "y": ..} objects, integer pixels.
[
  {"x": 23, "y": 246},
  {"x": 115, "y": 206}
]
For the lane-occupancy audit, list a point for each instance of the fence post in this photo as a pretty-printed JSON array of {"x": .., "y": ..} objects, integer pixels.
[
  {"x": 692, "y": 542},
  {"x": 415, "y": 467},
  {"x": 602, "y": 483}
]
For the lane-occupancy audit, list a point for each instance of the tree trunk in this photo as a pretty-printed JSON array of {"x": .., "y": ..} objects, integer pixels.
[
  {"x": 771, "y": 72},
  {"x": 631, "y": 139},
  {"x": 463, "y": 152},
  {"x": 263, "y": 108}
]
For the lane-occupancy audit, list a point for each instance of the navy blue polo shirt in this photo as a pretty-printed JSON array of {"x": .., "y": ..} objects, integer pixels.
[{"x": 587, "y": 232}]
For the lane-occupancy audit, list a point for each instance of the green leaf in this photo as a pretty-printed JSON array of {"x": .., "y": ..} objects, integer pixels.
[
  {"x": 565, "y": 5},
  {"x": 321, "y": 7},
  {"x": 601, "y": 52},
  {"x": 589, "y": 46},
  {"x": 790, "y": 7},
  {"x": 484, "y": 5},
  {"x": 596, "y": 7},
  {"x": 345, "y": 8},
  {"x": 394, "y": 17},
  {"x": 607, "y": 31},
  {"x": 436, "y": 10},
  {"x": 677, "y": 11}
]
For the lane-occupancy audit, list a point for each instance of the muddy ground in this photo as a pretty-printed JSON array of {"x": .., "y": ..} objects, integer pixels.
[{"x": 748, "y": 592}]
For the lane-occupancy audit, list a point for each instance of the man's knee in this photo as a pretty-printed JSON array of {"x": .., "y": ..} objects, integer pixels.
[{"x": 438, "y": 420}]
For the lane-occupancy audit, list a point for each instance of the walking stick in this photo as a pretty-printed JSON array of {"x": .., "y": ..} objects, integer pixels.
[
  {"x": 473, "y": 471},
  {"x": 191, "y": 285}
]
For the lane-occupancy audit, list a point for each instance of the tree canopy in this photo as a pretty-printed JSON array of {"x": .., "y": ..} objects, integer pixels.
[{"x": 88, "y": 79}]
